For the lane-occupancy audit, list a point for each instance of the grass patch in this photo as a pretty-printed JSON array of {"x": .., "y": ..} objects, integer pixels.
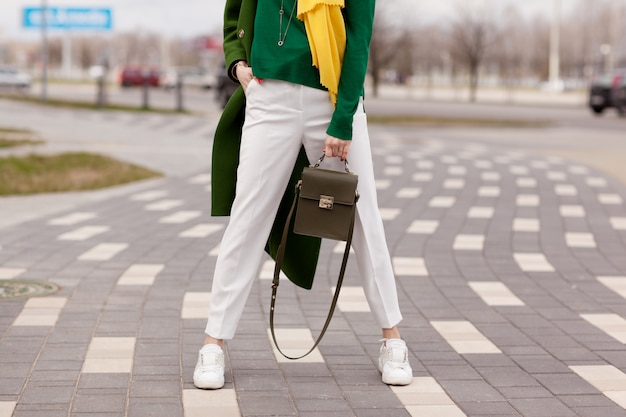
[
  {"x": 12, "y": 137},
  {"x": 81, "y": 171},
  {"x": 10, "y": 143},
  {"x": 89, "y": 106},
  {"x": 456, "y": 121}
]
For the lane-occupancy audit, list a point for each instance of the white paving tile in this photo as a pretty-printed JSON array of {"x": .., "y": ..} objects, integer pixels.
[
  {"x": 540, "y": 164},
  {"x": 565, "y": 190},
  {"x": 394, "y": 159},
  {"x": 10, "y": 273},
  {"x": 352, "y": 300},
  {"x": 403, "y": 266},
  {"x": 556, "y": 175},
  {"x": 442, "y": 202},
  {"x": 607, "y": 379},
  {"x": 469, "y": 242},
  {"x": 572, "y": 211},
  {"x": 267, "y": 269},
  {"x": 200, "y": 179},
  {"x": 215, "y": 251},
  {"x": 495, "y": 293},
  {"x": 40, "y": 311},
  {"x": 163, "y": 205},
  {"x": 393, "y": 171},
  {"x": 611, "y": 324},
  {"x": 618, "y": 223},
  {"x": 483, "y": 164},
  {"x": 7, "y": 408},
  {"x": 580, "y": 240},
  {"x": 555, "y": 160},
  {"x": 140, "y": 274},
  {"x": 527, "y": 200},
  {"x": 526, "y": 182},
  {"x": 457, "y": 170},
  {"x": 480, "y": 212},
  {"x": 149, "y": 195},
  {"x": 383, "y": 184},
  {"x": 487, "y": 191},
  {"x": 408, "y": 192},
  {"x": 424, "y": 397},
  {"x": 180, "y": 217},
  {"x": 449, "y": 159},
  {"x": 526, "y": 225},
  {"x": 617, "y": 284},
  {"x": 195, "y": 305},
  {"x": 533, "y": 262},
  {"x": 110, "y": 355},
  {"x": 294, "y": 342},
  {"x": 464, "y": 337},
  {"x": 72, "y": 219},
  {"x": 610, "y": 199},
  {"x": 490, "y": 176},
  {"x": 389, "y": 213},
  {"x": 422, "y": 176},
  {"x": 423, "y": 227},
  {"x": 203, "y": 403},
  {"x": 596, "y": 182},
  {"x": 425, "y": 164},
  {"x": 84, "y": 233},
  {"x": 578, "y": 169},
  {"x": 340, "y": 247},
  {"x": 201, "y": 230},
  {"x": 454, "y": 184},
  {"x": 519, "y": 170},
  {"x": 103, "y": 252}
]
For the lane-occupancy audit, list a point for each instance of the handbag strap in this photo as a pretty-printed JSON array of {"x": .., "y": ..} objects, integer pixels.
[{"x": 279, "y": 261}]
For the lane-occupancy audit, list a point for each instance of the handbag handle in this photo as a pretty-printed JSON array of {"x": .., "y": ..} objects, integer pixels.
[
  {"x": 319, "y": 161},
  {"x": 279, "y": 261}
]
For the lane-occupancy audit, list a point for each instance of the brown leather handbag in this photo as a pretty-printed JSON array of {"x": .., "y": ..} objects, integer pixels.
[{"x": 326, "y": 208}]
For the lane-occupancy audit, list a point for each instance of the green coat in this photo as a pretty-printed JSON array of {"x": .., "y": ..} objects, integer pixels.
[{"x": 301, "y": 253}]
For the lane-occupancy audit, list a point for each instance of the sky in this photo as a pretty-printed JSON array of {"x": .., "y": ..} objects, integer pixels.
[{"x": 186, "y": 18}]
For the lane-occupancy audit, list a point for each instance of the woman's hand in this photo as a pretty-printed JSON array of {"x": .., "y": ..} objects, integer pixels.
[
  {"x": 337, "y": 147},
  {"x": 244, "y": 74}
]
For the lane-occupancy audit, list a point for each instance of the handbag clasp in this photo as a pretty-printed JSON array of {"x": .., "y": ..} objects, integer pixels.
[{"x": 326, "y": 202}]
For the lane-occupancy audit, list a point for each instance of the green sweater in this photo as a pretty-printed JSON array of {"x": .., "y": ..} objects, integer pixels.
[{"x": 292, "y": 62}]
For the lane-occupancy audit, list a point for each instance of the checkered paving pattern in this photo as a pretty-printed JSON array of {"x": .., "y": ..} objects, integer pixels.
[{"x": 511, "y": 276}]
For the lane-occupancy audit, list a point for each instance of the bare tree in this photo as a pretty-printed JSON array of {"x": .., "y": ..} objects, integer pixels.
[
  {"x": 387, "y": 42},
  {"x": 471, "y": 34}
]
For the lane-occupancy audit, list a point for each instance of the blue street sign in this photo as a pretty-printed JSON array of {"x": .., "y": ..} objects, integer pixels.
[{"x": 69, "y": 18}]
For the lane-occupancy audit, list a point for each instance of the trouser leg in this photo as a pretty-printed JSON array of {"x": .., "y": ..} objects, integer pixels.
[
  {"x": 369, "y": 241},
  {"x": 270, "y": 144}
]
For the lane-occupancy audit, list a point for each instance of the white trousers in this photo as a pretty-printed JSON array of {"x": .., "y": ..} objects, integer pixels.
[{"x": 280, "y": 117}]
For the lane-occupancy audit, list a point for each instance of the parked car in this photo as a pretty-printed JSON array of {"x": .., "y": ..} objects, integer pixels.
[
  {"x": 134, "y": 76},
  {"x": 225, "y": 87},
  {"x": 619, "y": 96},
  {"x": 604, "y": 90},
  {"x": 190, "y": 77},
  {"x": 13, "y": 78}
]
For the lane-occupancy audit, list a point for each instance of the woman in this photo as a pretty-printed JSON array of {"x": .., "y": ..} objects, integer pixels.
[{"x": 301, "y": 66}]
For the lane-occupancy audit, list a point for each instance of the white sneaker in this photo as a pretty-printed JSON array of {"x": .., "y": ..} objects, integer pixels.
[
  {"x": 209, "y": 372},
  {"x": 393, "y": 362}
]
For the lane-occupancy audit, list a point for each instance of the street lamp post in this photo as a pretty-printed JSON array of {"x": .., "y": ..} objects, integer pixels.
[
  {"x": 44, "y": 51},
  {"x": 555, "y": 40}
]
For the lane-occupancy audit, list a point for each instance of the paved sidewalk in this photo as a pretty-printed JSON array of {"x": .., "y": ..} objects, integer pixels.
[{"x": 511, "y": 274}]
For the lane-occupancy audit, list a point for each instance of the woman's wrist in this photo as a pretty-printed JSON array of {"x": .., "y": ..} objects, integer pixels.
[{"x": 233, "y": 71}]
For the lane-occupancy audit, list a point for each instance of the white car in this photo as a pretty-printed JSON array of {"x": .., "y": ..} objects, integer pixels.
[
  {"x": 12, "y": 78},
  {"x": 190, "y": 77}
]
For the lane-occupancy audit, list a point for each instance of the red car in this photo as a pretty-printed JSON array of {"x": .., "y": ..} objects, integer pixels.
[{"x": 134, "y": 76}]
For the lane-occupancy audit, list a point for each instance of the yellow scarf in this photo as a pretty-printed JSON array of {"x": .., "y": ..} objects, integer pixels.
[{"x": 326, "y": 32}]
